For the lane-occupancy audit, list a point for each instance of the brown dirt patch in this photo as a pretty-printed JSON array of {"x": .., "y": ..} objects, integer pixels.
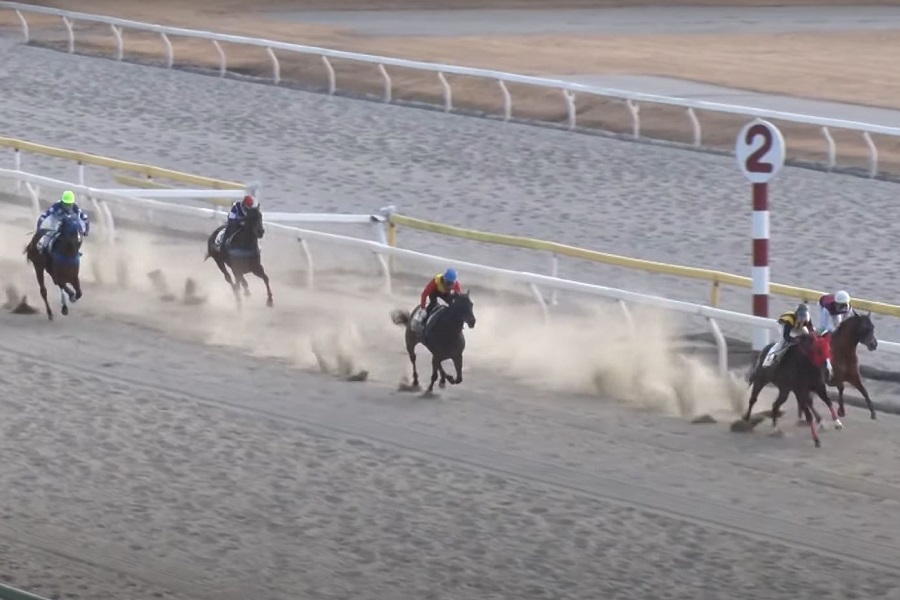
[{"x": 840, "y": 66}]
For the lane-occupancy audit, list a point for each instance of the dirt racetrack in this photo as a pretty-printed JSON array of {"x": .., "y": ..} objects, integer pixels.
[{"x": 152, "y": 449}]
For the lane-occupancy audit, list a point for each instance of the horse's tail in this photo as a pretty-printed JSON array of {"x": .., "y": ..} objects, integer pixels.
[{"x": 400, "y": 317}]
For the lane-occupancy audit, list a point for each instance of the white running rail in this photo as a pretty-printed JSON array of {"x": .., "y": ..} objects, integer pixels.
[
  {"x": 567, "y": 89},
  {"x": 533, "y": 281}
]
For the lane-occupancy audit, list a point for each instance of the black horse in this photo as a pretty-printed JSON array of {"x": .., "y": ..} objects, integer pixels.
[
  {"x": 241, "y": 252},
  {"x": 800, "y": 371},
  {"x": 442, "y": 335},
  {"x": 61, "y": 259}
]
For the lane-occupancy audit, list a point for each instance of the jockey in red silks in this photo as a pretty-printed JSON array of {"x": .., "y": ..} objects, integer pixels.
[
  {"x": 441, "y": 286},
  {"x": 833, "y": 308}
]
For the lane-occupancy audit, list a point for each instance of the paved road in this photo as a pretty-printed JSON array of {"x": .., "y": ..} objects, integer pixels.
[{"x": 659, "y": 19}]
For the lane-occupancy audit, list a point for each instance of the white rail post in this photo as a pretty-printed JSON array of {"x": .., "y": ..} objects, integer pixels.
[
  {"x": 545, "y": 312},
  {"x": 25, "y": 32},
  {"x": 34, "y": 191},
  {"x": 507, "y": 101},
  {"x": 332, "y": 78},
  {"x": 17, "y": 165},
  {"x": 695, "y": 125},
  {"x": 81, "y": 177},
  {"x": 832, "y": 148},
  {"x": 628, "y": 319},
  {"x": 570, "y": 107},
  {"x": 309, "y": 262},
  {"x": 120, "y": 43},
  {"x": 721, "y": 345},
  {"x": 448, "y": 92},
  {"x": 873, "y": 154},
  {"x": 387, "y": 83},
  {"x": 223, "y": 61},
  {"x": 635, "y": 111},
  {"x": 170, "y": 52},
  {"x": 554, "y": 272},
  {"x": 71, "y": 31},
  {"x": 276, "y": 66},
  {"x": 759, "y": 150}
]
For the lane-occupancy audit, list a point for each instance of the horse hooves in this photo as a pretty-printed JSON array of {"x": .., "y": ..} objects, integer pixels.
[
  {"x": 65, "y": 310},
  {"x": 428, "y": 394},
  {"x": 269, "y": 303},
  {"x": 874, "y": 416},
  {"x": 703, "y": 419},
  {"x": 361, "y": 376},
  {"x": 838, "y": 425},
  {"x": 443, "y": 384},
  {"x": 406, "y": 387},
  {"x": 818, "y": 444},
  {"x": 743, "y": 426}
]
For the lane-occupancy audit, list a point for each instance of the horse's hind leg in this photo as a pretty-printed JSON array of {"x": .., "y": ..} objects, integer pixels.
[
  {"x": 39, "y": 271},
  {"x": 822, "y": 392},
  {"x": 754, "y": 394},
  {"x": 411, "y": 351},
  {"x": 808, "y": 409},
  {"x": 856, "y": 382},
  {"x": 841, "y": 412},
  {"x": 260, "y": 272},
  {"x": 776, "y": 406}
]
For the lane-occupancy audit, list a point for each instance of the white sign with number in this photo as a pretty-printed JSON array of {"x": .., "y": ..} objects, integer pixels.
[{"x": 760, "y": 151}]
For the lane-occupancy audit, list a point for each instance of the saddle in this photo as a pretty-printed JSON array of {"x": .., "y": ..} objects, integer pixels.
[
  {"x": 45, "y": 241},
  {"x": 429, "y": 320}
]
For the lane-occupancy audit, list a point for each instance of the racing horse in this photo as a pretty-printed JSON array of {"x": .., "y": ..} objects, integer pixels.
[
  {"x": 442, "y": 335},
  {"x": 61, "y": 259},
  {"x": 854, "y": 330},
  {"x": 241, "y": 253},
  {"x": 800, "y": 371}
]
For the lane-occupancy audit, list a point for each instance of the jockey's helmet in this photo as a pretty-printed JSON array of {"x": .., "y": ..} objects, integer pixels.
[
  {"x": 842, "y": 297},
  {"x": 450, "y": 276},
  {"x": 67, "y": 199},
  {"x": 802, "y": 314},
  {"x": 249, "y": 201}
]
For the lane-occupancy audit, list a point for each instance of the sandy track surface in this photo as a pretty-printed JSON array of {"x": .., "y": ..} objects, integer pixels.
[{"x": 816, "y": 51}]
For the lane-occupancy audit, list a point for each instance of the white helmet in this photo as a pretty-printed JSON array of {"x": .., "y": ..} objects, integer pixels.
[{"x": 842, "y": 297}]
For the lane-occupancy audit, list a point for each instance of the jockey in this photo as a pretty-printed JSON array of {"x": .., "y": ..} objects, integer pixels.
[
  {"x": 441, "y": 286},
  {"x": 833, "y": 308},
  {"x": 64, "y": 207},
  {"x": 794, "y": 324},
  {"x": 238, "y": 215}
]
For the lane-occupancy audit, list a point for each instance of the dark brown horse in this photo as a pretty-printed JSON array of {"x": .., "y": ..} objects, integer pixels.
[
  {"x": 60, "y": 258},
  {"x": 854, "y": 330},
  {"x": 241, "y": 253},
  {"x": 801, "y": 371},
  {"x": 442, "y": 336}
]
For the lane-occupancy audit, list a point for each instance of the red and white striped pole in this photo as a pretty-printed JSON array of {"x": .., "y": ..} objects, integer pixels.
[{"x": 760, "y": 153}]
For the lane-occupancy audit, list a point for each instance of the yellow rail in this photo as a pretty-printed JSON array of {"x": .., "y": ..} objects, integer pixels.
[
  {"x": 147, "y": 171},
  {"x": 716, "y": 278}
]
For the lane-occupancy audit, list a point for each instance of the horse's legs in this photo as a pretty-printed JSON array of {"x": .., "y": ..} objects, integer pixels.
[
  {"x": 757, "y": 386},
  {"x": 63, "y": 298},
  {"x": 822, "y": 392},
  {"x": 840, "y": 388},
  {"x": 776, "y": 406},
  {"x": 807, "y": 407},
  {"x": 39, "y": 272},
  {"x": 435, "y": 369},
  {"x": 856, "y": 382},
  {"x": 411, "y": 351},
  {"x": 260, "y": 272},
  {"x": 457, "y": 364}
]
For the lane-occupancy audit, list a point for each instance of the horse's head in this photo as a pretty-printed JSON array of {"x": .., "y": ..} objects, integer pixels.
[
  {"x": 462, "y": 306},
  {"x": 863, "y": 329},
  {"x": 70, "y": 235},
  {"x": 254, "y": 221}
]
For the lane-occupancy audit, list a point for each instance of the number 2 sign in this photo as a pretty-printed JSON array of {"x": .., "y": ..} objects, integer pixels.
[{"x": 760, "y": 151}]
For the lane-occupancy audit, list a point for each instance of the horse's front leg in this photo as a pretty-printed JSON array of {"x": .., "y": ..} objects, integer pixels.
[
  {"x": 776, "y": 406},
  {"x": 458, "y": 365},
  {"x": 841, "y": 412},
  {"x": 260, "y": 272},
  {"x": 77, "y": 285},
  {"x": 435, "y": 369},
  {"x": 64, "y": 298},
  {"x": 822, "y": 392},
  {"x": 758, "y": 385}
]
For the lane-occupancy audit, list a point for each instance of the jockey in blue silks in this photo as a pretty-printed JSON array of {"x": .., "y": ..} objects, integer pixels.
[{"x": 237, "y": 216}]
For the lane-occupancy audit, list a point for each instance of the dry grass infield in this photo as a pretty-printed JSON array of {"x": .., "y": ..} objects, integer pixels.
[{"x": 840, "y": 66}]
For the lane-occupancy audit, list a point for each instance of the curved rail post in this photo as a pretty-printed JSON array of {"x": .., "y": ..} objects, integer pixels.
[
  {"x": 120, "y": 43},
  {"x": 545, "y": 312},
  {"x": 17, "y": 165},
  {"x": 386, "y": 271},
  {"x": 721, "y": 345},
  {"x": 507, "y": 101},
  {"x": 448, "y": 92},
  {"x": 387, "y": 82},
  {"x": 223, "y": 62},
  {"x": 309, "y": 262},
  {"x": 111, "y": 233},
  {"x": 695, "y": 125},
  {"x": 873, "y": 154},
  {"x": 332, "y": 78},
  {"x": 34, "y": 191},
  {"x": 25, "y": 31},
  {"x": 832, "y": 148},
  {"x": 570, "y": 107},
  {"x": 554, "y": 272},
  {"x": 81, "y": 177},
  {"x": 635, "y": 110},
  {"x": 68, "y": 23},
  {"x": 276, "y": 66},
  {"x": 170, "y": 52}
]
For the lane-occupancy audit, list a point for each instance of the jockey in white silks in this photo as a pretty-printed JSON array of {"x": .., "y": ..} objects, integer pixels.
[
  {"x": 50, "y": 218},
  {"x": 833, "y": 309}
]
